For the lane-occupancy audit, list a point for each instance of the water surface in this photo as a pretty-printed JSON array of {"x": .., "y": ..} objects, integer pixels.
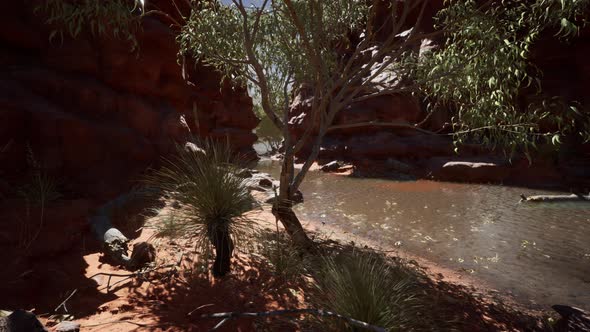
[{"x": 538, "y": 252}]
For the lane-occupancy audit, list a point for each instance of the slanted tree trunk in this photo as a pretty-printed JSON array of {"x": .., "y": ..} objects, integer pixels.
[
  {"x": 224, "y": 248},
  {"x": 283, "y": 210},
  {"x": 283, "y": 204}
]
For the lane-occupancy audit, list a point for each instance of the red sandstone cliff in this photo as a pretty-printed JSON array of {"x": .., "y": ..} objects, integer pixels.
[
  {"x": 94, "y": 114},
  {"x": 95, "y": 111}
]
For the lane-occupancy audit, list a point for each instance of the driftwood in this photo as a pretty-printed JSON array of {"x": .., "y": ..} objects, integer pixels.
[
  {"x": 115, "y": 244},
  {"x": 555, "y": 198}
]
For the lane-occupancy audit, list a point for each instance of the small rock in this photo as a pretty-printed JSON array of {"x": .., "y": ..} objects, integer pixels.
[
  {"x": 263, "y": 180},
  {"x": 143, "y": 254},
  {"x": 245, "y": 173},
  {"x": 266, "y": 183},
  {"x": 67, "y": 326}
]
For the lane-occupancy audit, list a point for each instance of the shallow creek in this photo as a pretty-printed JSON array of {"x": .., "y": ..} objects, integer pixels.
[{"x": 540, "y": 253}]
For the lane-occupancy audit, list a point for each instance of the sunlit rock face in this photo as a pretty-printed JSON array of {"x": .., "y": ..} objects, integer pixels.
[
  {"x": 566, "y": 74},
  {"x": 95, "y": 112}
]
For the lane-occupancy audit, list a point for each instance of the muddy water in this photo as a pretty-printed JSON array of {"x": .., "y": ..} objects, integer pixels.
[{"x": 540, "y": 253}]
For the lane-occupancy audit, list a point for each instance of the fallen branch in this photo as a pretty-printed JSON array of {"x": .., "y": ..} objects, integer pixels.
[
  {"x": 127, "y": 276},
  {"x": 122, "y": 321},
  {"x": 199, "y": 307},
  {"x": 555, "y": 198},
  {"x": 218, "y": 325},
  {"x": 63, "y": 304},
  {"x": 226, "y": 316}
]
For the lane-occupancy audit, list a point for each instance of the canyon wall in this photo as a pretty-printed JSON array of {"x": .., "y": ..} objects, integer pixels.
[
  {"x": 89, "y": 115},
  {"x": 96, "y": 111}
]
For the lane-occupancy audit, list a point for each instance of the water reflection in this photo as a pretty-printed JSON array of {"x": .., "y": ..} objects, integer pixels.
[{"x": 541, "y": 253}]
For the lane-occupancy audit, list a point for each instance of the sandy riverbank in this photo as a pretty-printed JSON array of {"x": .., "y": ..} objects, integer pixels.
[{"x": 173, "y": 298}]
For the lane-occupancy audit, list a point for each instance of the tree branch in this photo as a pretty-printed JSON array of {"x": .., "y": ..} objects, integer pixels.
[
  {"x": 316, "y": 60},
  {"x": 258, "y": 16},
  {"x": 258, "y": 69},
  {"x": 63, "y": 304}
]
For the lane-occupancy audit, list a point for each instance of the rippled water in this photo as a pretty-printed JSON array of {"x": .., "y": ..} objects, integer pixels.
[{"x": 539, "y": 252}]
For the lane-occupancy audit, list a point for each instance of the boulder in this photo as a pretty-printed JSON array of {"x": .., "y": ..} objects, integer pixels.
[
  {"x": 398, "y": 166},
  {"x": 21, "y": 321}
]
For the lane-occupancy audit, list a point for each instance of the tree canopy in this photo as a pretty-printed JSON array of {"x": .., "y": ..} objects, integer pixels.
[
  {"x": 479, "y": 71},
  {"x": 487, "y": 55}
]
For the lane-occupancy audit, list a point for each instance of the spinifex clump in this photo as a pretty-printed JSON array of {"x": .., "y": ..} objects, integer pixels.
[{"x": 212, "y": 198}]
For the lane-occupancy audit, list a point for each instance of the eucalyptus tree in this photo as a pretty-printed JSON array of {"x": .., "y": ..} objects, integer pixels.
[
  {"x": 277, "y": 44},
  {"x": 340, "y": 50}
]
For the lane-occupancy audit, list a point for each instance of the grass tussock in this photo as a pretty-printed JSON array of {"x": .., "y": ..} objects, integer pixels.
[
  {"x": 284, "y": 259},
  {"x": 363, "y": 287},
  {"x": 211, "y": 199}
]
